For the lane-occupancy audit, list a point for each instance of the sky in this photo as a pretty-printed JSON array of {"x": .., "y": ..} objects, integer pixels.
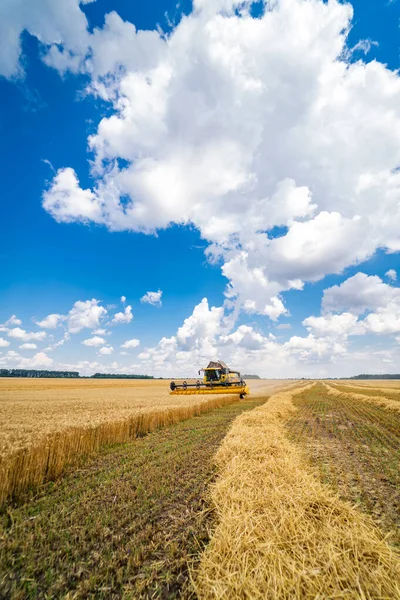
[{"x": 185, "y": 182}]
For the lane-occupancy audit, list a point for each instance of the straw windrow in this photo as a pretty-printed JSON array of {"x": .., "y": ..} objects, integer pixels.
[
  {"x": 386, "y": 402},
  {"x": 282, "y": 534}
]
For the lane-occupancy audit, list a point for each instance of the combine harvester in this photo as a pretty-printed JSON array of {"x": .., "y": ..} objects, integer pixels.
[{"x": 218, "y": 379}]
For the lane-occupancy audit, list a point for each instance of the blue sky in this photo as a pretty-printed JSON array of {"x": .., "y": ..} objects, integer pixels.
[{"x": 241, "y": 161}]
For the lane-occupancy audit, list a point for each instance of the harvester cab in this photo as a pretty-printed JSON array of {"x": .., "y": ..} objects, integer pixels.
[{"x": 217, "y": 379}]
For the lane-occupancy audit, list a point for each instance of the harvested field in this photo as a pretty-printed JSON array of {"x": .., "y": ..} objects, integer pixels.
[
  {"x": 387, "y": 400},
  {"x": 127, "y": 524},
  {"x": 389, "y": 393},
  {"x": 391, "y": 384},
  {"x": 356, "y": 447},
  {"x": 281, "y": 532},
  {"x": 46, "y": 424}
]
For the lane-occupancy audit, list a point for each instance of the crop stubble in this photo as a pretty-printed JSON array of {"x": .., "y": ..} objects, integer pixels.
[
  {"x": 355, "y": 444},
  {"x": 281, "y": 532}
]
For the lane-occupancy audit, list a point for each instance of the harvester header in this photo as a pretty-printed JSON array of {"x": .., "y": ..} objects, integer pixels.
[{"x": 217, "y": 379}]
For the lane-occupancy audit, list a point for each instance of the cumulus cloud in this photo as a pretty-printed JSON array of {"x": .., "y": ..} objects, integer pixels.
[
  {"x": 391, "y": 274},
  {"x": 94, "y": 341},
  {"x": 106, "y": 350},
  {"x": 204, "y": 336},
  {"x": 21, "y": 334},
  {"x": 198, "y": 116},
  {"x": 358, "y": 294},
  {"x": 51, "y": 321},
  {"x": 15, "y": 360},
  {"x": 28, "y": 346},
  {"x": 355, "y": 296},
  {"x": 4, "y": 343},
  {"x": 39, "y": 360},
  {"x": 12, "y": 354},
  {"x": 13, "y": 320},
  {"x": 123, "y": 317},
  {"x": 123, "y": 299},
  {"x": 153, "y": 298},
  {"x": 134, "y": 343},
  {"x": 54, "y": 24},
  {"x": 68, "y": 202},
  {"x": 334, "y": 325},
  {"x": 85, "y": 315}
]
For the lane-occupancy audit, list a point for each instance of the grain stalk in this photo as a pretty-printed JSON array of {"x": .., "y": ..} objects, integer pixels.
[{"x": 44, "y": 461}]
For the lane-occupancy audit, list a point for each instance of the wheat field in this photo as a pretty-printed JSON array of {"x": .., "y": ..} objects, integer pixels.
[{"x": 46, "y": 424}]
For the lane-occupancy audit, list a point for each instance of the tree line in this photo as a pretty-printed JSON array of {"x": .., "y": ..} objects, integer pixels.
[
  {"x": 384, "y": 376},
  {"x": 66, "y": 374},
  {"x": 37, "y": 373}
]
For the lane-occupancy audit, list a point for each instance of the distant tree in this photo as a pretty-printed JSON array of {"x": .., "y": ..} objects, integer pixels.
[
  {"x": 119, "y": 376},
  {"x": 378, "y": 376},
  {"x": 37, "y": 373}
]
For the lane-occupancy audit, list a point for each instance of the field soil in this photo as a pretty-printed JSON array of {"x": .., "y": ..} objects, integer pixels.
[
  {"x": 126, "y": 524},
  {"x": 355, "y": 446}
]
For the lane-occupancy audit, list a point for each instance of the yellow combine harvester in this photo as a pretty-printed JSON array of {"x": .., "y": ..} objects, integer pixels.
[{"x": 218, "y": 379}]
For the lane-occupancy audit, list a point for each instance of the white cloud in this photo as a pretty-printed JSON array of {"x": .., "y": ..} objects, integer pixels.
[
  {"x": 199, "y": 114},
  {"x": 153, "y": 298},
  {"x": 14, "y": 360},
  {"x": 28, "y": 346},
  {"x": 51, "y": 321},
  {"x": 134, "y": 343},
  {"x": 4, "y": 343},
  {"x": 123, "y": 317},
  {"x": 85, "y": 314},
  {"x": 39, "y": 360},
  {"x": 284, "y": 326},
  {"x": 13, "y": 320},
  {"x": 94, "y": 341},
  {"x": 67, "y": 202},
  {"x": 357, "y": 294},
  {"x": 106, "y": 350},
  {"x": 123, "y": 299},
  {"x": 61, "y": 342},
  {"x": 334, "y": 325},
  {"x": 391, "y": 274},
  {"x": 55, "y": 23},
  {"x": 275, "y": 308},
  {"x": 84, "y": 367},
  {"x": 314, "y": 349},
  {"x": 203, "y": 336},
  {"x": 21, "y": 334},
  {"x": 386, "y": 319},
  {"x": 100, "y": 331}
]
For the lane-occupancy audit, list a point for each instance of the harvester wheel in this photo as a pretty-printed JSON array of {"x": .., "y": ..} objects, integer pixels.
[
  {"x": 185, "y": 385},
  {"x": 172, "y": 385},
  {"x": 242, "y": 396}
]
